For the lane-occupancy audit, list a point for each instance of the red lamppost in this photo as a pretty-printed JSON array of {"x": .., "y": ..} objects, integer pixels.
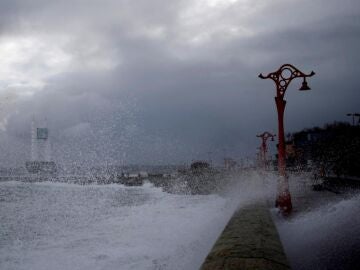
[
  {"x": 282, "y": 78},
  {"x": 263, "y": 148}
]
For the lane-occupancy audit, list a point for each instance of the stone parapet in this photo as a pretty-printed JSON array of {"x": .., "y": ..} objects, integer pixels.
[{"x": 249, "y": 241}]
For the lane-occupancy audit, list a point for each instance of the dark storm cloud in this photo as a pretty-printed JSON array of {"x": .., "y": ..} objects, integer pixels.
[{"x": 162, "y": 82}]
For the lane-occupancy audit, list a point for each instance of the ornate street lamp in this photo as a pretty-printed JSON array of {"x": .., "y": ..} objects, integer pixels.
[
  {"x": 263, "y": 148},
  {"x": 282, "y": 78}
]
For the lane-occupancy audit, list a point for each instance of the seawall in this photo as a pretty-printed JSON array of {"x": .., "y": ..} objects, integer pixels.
[{"x": 249, "y": 241}]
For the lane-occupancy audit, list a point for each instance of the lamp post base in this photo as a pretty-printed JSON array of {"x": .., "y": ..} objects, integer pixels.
[{"x": 283, "y": 202}]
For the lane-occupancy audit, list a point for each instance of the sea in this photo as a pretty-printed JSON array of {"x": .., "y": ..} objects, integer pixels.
[{"x": 51, "y": 225}]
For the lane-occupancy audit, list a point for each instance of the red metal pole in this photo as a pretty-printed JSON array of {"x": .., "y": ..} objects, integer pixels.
[
  {"x": 283, "y": 200},
  {"x": 263, "y": 146}
]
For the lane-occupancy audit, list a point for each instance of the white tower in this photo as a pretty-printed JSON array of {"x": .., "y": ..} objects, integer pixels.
[
  {"x": 40, "y": 150},
  {"x": 40, "y": 143}
]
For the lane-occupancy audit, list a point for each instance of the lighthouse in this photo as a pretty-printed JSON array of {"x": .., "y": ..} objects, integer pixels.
[{"x": 40, "y": 161}]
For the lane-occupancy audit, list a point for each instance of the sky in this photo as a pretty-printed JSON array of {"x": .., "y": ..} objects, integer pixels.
[{"x": 168, "y": 82}]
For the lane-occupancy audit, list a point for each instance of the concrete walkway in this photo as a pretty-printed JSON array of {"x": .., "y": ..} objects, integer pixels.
[{"x": 249, "y": 241}]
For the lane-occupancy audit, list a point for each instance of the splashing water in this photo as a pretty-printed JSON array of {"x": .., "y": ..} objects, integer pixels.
[
  {"x": 325, "y": 238},
  {"x": 52, "y": 225},
  {"x": 67, "y": 226}
]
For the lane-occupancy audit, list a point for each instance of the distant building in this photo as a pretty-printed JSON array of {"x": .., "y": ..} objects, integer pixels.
[
  {"x": 229, "y": 164},
  {"x": 199, "y": 165}
]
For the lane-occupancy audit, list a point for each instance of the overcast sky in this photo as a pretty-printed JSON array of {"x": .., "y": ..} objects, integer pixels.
[{"x": 159, "y": 81}]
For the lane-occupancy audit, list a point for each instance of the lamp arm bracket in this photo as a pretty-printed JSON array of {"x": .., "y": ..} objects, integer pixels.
[{"x": 284, "y": 75}]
